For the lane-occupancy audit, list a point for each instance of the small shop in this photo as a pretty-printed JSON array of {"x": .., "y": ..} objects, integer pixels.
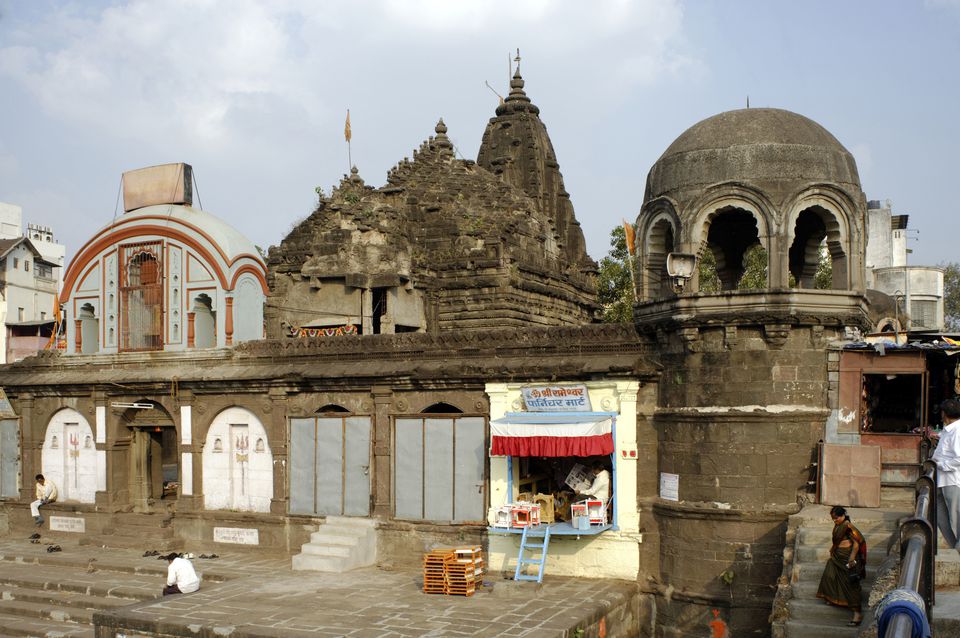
[
  {"x": 562, "y": 457},
  {"x": 889, "y": 395}
]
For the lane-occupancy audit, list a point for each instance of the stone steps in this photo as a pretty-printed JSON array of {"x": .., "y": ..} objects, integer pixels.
[
  {"x": 339, "y": 545},
  {"x": 137, "y": 531},
  {"x": 58, "y": 595},
  {"x": 810, "y": 617},
  {"x": 18, "y": 626}
]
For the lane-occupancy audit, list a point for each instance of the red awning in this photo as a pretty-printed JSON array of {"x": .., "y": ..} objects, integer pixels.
[{"x": 551, "y": 435}]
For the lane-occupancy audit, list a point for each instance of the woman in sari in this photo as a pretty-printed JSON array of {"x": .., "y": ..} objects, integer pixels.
[{"x": 840, "y": 583}]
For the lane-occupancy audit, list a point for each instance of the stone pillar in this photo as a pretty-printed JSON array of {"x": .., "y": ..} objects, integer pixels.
[
  {"x": 31, "y": 436},
  {"x": 380, "y": 477},
  {"x": 228, "y": 321},
  {"x": 191, "y": 330},
  {"x": 190, "y": 496},
  {"x": 366, "y": 311},
  {"x": 276, "y": 423},
  {"x": 78, "y": 336}
]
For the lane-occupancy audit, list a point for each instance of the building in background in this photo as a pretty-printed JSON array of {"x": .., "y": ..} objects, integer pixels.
[
  {"x": 31, "y": 273},
  {"x": 917, "y": 291}
]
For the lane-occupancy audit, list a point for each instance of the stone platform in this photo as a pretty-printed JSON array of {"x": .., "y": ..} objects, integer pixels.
[{"x": 84, "y": 591}]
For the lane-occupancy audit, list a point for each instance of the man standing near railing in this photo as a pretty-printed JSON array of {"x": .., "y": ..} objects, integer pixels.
[{"x": 947, "y": 458}]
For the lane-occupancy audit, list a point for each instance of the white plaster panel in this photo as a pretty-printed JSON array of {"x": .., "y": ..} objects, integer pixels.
[
  {"x": 110, "y": 302},
  {"x": 69, "y": 456},
  {"x": 91, "y": 280},
  {"x": 101, "y": 470},
  {"x": 196, "y": 270},
  {"x": 186, "y": 424},
  {"x": 186, "y": 473},
  {"x": 237, "y": 473},
  {"x": 175, "y": 311},
  {"x": 101, "y": 417}
]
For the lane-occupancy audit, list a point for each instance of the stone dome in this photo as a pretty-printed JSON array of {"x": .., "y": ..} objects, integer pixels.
[{"x": 771, "y": 149}]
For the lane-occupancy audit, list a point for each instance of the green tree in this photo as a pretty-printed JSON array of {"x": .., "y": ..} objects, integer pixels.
[
  {"x": 614, "y": 283},
  {"x": 754, "y": 274},
  {"x": 951, "y": 296}
]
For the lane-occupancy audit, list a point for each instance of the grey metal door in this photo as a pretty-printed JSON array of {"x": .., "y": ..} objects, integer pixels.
[
  {"x": 439, "y": 468},
  {"x": 330, "y": 466},
  {"x": 9, "y": 457}
]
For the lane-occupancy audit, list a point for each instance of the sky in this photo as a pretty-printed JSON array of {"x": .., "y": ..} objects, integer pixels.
[{"x": 253, "y": 94}]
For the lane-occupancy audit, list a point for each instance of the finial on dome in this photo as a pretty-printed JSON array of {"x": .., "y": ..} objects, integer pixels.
[{"x": 441, "y": 128}]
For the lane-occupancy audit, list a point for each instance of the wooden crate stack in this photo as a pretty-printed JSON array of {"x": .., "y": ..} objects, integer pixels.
[{"x": 455, "y": 572}]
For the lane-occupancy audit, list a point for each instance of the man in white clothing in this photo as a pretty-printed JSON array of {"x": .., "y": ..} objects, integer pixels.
[
  {"x": 181, "y": 576},
  {"x": 947, "y": 458},
  {"x": 46, "y": 492},
  {"x": 600, "y": 487}
]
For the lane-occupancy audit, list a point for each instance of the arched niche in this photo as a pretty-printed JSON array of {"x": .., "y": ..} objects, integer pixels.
[
  {"x": 68, "y": 456},
  {"x": 237, "y": 463}
]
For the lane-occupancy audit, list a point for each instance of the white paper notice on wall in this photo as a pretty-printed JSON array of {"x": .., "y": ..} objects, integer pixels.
[
  {"x": 68, "y": 524},
  {"x": 236, "y": 535},
  {"x": 669, "y": 486}
]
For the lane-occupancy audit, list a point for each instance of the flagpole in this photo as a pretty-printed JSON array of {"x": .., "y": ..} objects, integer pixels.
[{"x": 348, "y": 135}]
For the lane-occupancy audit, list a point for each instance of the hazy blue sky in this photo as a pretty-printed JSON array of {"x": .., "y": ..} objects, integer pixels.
[{"x": 253, "y": 94}]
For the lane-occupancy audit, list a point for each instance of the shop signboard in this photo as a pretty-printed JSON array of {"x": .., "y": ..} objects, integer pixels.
[{"x": 556, "y": 398}]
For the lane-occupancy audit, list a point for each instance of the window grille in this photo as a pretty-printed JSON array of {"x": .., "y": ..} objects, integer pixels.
[{"x": 141, "y": 297}]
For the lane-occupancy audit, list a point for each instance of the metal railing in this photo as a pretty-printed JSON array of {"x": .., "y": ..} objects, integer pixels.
[{"x": 918, "y": 550}]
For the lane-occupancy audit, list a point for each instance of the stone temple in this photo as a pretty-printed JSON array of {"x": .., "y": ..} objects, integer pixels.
[{"x": 405, "y": 327}]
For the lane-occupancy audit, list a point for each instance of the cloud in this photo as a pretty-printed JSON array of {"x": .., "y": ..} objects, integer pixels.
[{"x": 188, "y": 70}]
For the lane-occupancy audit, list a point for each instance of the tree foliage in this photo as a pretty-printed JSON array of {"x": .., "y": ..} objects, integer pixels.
[
  {"x": 614, "y": 283},
  {"x": 951, "y": 296},
  {"x": 754, "y": 274}
]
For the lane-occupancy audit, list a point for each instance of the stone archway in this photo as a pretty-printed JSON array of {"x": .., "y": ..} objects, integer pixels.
[{"x": 154, "y": 456}]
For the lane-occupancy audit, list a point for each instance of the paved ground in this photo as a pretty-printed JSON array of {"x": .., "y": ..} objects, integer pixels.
[{"x": 243, "y": 596}]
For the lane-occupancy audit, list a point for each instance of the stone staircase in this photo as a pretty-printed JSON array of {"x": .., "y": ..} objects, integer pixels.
[
  {"x": 145, "y": 532},
  {"x": 810, "y": 617},
  {"x": 341, "y": 544},
  {"x": 58, "y": 595}
]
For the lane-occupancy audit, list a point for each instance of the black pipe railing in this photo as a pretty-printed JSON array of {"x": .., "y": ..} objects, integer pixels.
[{"x": 918, "y": 551}]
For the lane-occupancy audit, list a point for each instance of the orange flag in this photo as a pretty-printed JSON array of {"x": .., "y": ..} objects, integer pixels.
[
  {"x": 628, "y": 230},
  {"x": 346, "y": 128}
]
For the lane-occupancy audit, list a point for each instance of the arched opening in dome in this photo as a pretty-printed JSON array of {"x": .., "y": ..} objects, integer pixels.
[
  {"x": 659, "y": 244},
  {"x": 204, "y": 322},
  {"x": 89, "y": 333},
  {"x": 817, "y": 257},
  {"x": 733, "y": 258}
]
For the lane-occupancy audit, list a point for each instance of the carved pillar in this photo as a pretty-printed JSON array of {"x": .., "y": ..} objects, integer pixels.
[
  {"x": 276, "y": 423},
  {"x": 228, "y": 321},
  {"x": 31, "y": 435},
  {"x": 382, "y": 400},
  {"x": 191, "y": 330},
  {"x": 78, "y": 336}
]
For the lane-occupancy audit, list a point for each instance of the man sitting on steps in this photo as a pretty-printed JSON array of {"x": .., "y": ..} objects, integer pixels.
[
  {"x": 46, "y": 493},
  {"x": 181, "y": 576}
]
